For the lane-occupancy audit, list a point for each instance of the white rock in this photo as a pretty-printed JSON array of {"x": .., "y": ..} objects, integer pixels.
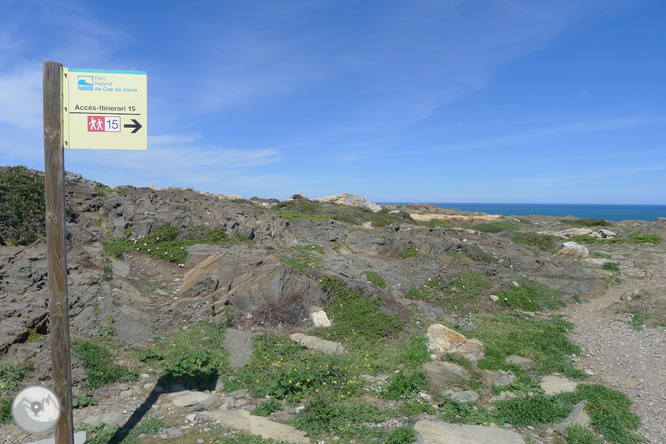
[{"x": 319, "y": 319}]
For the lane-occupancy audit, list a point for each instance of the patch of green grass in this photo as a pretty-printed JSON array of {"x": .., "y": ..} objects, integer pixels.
[
  {"x": 195, "y": 357},
  {"x": 99, "y": 364},
  {"x": 345, "y": 419},
  {"x": 543, "y": 242},
  {"x": 267, "y": 407},
  {"x": 6, "y": 410},
  {"x": 493, "y": 227},
  {"x": 531, "y": 296},
  {"x": 306, "y": 209},
  {"x": 282, "y": 369},
  {"x": 439, "y": 223},
  {"x": 22, "y": 205},
  {"x": 375, "y": 278},
  {"x": 11, "y": 381},
  {"x": 543, "y": 341},
  {"x": 306, "y": 259},
  {"x": 410, "y": 251},
  {"x": 357, "y": 317},
  {"x": 415, "y": 351},
  {"x": 587, "y": 222},
  {"x": 598, "y": 255},
  {"x": 611, "y": 266},
  {"x": 406, "y": 384},
  {"x": 637, "y": 320},
  {"x": 167, "y": 242},
  {"x": 635, "y": 238},
  {"x": 460, "y": 294},
  {"x": 33, "y": 336},
  {"x": 580, "y": 435}
]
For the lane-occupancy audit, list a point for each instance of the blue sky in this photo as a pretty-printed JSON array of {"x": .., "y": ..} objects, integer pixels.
[{"x": 402, "y": 101}]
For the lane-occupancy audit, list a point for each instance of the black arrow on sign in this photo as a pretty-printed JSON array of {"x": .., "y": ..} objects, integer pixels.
[{"x": 137, "y": 126}]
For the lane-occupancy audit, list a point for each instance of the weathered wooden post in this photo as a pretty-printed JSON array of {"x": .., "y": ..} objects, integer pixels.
[{"x": 54, "y": 168}]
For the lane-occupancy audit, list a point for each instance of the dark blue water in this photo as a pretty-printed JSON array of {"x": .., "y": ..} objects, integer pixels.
[{"x": 613, "y": 213}]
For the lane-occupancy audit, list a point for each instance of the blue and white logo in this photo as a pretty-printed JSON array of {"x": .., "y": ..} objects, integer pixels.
[{"x": 86, "y": 83}]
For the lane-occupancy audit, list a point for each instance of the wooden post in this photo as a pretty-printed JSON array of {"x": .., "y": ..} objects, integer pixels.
[{"x": 54, "y": 163}]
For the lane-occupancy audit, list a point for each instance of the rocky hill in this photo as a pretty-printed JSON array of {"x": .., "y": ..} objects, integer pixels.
[{"x": 146, "y": 265}]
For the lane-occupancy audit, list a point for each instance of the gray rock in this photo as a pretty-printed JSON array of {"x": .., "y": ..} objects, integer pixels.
[
  {"x": 499, "y": 379},
  {"x": 112, "y": 419},
  {"x": 578, "y": 416},
  {"x": 553, "y": 385},
  {"x": 318, "y": 344},
  {"x": 239, "y": 345},
  {"x": 573, "y": 250},
  {"x": 171, "y": 432},
  {"x": 442, "y": 373},
  {"x": 353, "y": 200},
  {"x": 518, "y": 360},
  {"x": 435, "y": 432},
  {"x": 195, "y": 400},
  {"x": 256, "y": 425},
  {"x": 464, "y": 396},
  {"x": 79, "y": 438}
]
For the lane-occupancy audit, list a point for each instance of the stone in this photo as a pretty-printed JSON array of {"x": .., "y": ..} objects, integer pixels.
[
  {"x": 79, "y": 438},
  {"x": 195, "y": 400},
  {"x": 552, "y": 385},
  {"x": 240, "y": 393},
  {"x": 518, "y": 360},
  {"x": 171, "y": 432},
  {"x": 499, "y": 379},
  {"x": 605, "y": 234},
  {"x": 494, "y": 298},
  {"x": 239, "y": 345},
  {"x": 320, "y": 319},
  {"x": 353, "y": 200},
  {"x": 442, "y": 373},
  {"x": 443, "y": 339},
  {"x": 573, "y": 250},
  {"x": 257, "y": 425},
  {"x": 318, "y": 344},
  {"x": 464, "y": 396},
  {"x": 112, "y": 419},
  {"x": 578, "y": 416},
  {"x": 435, "y": 432}
]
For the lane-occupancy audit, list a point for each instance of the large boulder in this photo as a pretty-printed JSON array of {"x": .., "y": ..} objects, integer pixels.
[
  {"x": 352, "y": 200},
  {"x": 573, "y": 250}
]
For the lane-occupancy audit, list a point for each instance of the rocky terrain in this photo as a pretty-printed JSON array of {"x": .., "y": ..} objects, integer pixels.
[{"x": 267, "y": 276}]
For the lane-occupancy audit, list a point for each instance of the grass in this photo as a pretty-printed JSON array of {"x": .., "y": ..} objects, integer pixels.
[
  {"x": 459, "y": 295},
  {"x": 543, "y": 242},
  {"x": 587, "y": 222},
  {"x": 410, "y": 251},
  {"x": 375, "y": 278},
  {"x": 531, "y": 296},
  {"x": 306, "y": 259},
  {"x": 493, "y": 227},
  {"x": 319, "y": 211},
  {"x": 11, "y": 381},
  {"x": 438, "y": 223},
  {"x": 99, "y": 365},
  {"x": 611, "y": 266},
  {"x": 635, "y": 238}
]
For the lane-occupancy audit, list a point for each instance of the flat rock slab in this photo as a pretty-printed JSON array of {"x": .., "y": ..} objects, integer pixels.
[
  {"x": 434, "y": 432},
  {"x": 318, "y": 344},
  {"x": 193, "y": 399},
  {"x": 111, "y": 419},
  {"x": 578, "y": 416},
  {"x": 79, "y": 438},
  {"x": 256, "y": 425},
  {"x": 441, "y": 373},
  {"x": 553, "y": 385},
  {"x": 239, "y": 345}
]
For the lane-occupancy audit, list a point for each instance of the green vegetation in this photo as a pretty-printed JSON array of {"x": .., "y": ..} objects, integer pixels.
[
  {"x": 375, "y": 278},
  {"x": 543, "y": 242},
  {"x": 168, "y": 243},
  {"x": 267, "y": 407},
  {"x": 307, "y": 258},
  {"x": 635, "y": 238},
  {"x": 531, "y": 296},
  {"x": 22, "y": 206},
  {"x": 580, "y": 435},
  {"x": 307, "y": 209},
  {"x": 11, "y": 381},
  {"x": 439, "y": 223},
  {"x": 357, "y": 317},
  {"x": 99, "y": 365},
  {"x": 106, "y": 434},
  {"x": 611, "y": 266},
  {"x": 545, "y": 342},
  {"x": 460, "y": 294},
  {"x": 493, "y": 227},
  {"x": 410, "y": 251},
  {"x": 636, "y": 320},
  {"x": 587, "y": 222}
]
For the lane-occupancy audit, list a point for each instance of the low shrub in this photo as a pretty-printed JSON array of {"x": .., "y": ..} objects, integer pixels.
[
  {"x": 544, "y": 242},
  {"x": 375, "y": 278},
  {"x": 99, "y": 365},
  {"x": 410, "y": 251},
  {"x": 587, "y": 222},
  {"x": 611, "y": 266},
  {"x": 494, "y": 227}
]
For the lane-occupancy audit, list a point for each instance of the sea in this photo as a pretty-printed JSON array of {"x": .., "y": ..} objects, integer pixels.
[{"x": 614, "y": 213}]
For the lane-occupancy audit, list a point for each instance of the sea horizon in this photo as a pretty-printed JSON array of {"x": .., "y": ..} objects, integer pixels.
[{"x": 610, "y": 212}]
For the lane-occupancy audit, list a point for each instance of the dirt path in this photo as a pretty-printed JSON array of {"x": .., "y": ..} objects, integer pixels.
[{"x": 630, "y": 360}]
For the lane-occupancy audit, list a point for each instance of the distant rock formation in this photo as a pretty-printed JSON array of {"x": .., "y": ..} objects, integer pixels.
[{"x": 353, "y": 200}]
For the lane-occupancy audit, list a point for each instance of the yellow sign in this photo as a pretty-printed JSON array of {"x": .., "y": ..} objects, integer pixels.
[{"x": 105, "y": 110}]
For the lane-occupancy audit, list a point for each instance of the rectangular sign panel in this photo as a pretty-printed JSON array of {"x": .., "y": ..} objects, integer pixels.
[{"x": 105, "y": 110}]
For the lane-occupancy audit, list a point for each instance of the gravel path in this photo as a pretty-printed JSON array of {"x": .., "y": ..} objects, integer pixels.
[{"x": 628, "y": 360}]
